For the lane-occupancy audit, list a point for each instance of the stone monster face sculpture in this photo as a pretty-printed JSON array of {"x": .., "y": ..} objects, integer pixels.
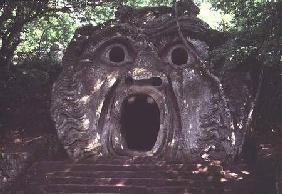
[{"x": 134, "y": 88}]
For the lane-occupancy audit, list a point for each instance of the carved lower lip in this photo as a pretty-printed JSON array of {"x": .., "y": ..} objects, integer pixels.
[{"x": 140, "y": 122}]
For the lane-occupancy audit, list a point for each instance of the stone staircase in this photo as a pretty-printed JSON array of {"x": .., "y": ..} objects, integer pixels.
[{"x": 139, "y": 175}]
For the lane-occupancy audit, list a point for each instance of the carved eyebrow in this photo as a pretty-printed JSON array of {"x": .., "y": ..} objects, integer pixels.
[
  {"x": 193, "y": 27},
  {"x": 176, "y": 41},
  {"x": 114, "y": 39},
  {"x": 123, "y": 29},
  {"x": 94, "y": 45}
]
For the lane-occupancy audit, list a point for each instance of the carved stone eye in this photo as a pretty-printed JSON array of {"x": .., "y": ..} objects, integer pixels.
[
  {"x": 117, "y": 54},
  {"x": 179, "y": 55}
]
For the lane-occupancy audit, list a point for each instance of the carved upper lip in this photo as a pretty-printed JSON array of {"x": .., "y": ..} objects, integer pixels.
[{"x": 153, "y": 81}]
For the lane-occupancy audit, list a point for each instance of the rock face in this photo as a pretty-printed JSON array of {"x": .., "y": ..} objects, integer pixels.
[{"x": 140, "y": 86}]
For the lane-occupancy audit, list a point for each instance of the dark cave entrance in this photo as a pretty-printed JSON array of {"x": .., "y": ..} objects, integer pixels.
[{"x": 140, "y": 122}]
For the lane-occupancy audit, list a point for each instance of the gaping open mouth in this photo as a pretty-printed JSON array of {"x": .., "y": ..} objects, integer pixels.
[{"x": 140, "y": 122}]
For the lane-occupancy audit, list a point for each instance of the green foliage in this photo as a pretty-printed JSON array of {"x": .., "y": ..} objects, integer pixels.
[
  {"x": 99, "y": 15},
  {"x": 14, "y": 16},
  {"x": 152, "y": 3},
  {"x": 45, "y": 32},
  {"x": 56, "y": 30},
  {"x": 257, "y": 29},
  {"x": 256, "y": 23},
  {"x": 250, "y": 14},
  {"x": 256, "y": 47}
]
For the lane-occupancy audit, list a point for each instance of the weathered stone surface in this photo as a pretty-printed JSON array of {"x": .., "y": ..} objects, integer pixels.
[{"x": 201, "y": 116}]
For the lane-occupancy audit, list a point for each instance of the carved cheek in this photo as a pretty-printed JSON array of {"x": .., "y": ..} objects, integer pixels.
[
  {"x": 97, "y": 79},
  {"x": 112, "y": 78},
  {"x": 176, "y": 83},
  {"x": 193, "y": 84},
  {"x": 192, "y": 89},
  {"x": 196, "y": 97},
  {"x": 194, "y": 102},
  {"x": 89, "y": 76}
]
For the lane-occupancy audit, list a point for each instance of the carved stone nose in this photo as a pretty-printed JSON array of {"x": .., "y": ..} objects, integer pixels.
[{"x": 153, "y": 81}]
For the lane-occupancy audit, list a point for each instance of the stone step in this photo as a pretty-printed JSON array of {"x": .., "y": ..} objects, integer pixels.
[
  {"x": 53, "y": 166},
  {"x": 86, "y": 188},
  {"x": 79, "y": 189},
  {"x": 83, "y": 193},
  {"x": 123, "y": 174},
  {"x": 139, "y": 176},
  {"x": 166, "y": 189},
  {"x": 158, "y": 177},
  {"x": 124, "y": 181},
  {"x": 127, "y": 160}
]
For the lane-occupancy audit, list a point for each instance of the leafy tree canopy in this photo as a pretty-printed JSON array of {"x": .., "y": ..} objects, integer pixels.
[{"x": 36, "y": 27}]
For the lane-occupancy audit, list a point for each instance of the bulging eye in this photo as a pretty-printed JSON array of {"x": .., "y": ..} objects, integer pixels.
[
  {"x": 117, "y": 54},
  {"x": 179, "y": 56}
]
